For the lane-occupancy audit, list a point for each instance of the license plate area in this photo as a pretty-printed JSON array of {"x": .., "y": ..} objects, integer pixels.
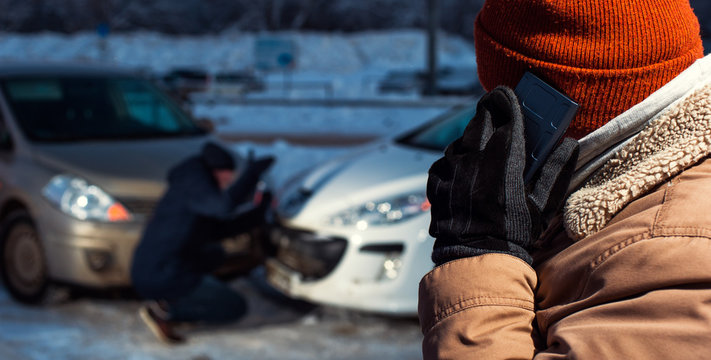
[{"x": 281, "y": 277}]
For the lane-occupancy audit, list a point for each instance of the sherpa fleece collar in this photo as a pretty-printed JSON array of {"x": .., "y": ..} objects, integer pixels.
[{"x": 672, "y": 140}]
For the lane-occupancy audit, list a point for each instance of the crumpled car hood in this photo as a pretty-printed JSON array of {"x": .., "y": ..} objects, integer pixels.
[{"x": 382, "y": 170}]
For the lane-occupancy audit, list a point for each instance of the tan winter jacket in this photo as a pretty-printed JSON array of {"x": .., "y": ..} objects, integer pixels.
[{"x": 631, "y": 276}]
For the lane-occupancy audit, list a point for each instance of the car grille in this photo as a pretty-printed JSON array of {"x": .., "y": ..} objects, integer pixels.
[
  {"x": 304, "y": 252},
  {"x": 141, "y": 207}
]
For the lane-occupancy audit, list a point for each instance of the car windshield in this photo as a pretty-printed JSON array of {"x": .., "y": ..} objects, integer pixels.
[
  {"x": 439, "y": 133},
  {"x": 89, "y": 108}
]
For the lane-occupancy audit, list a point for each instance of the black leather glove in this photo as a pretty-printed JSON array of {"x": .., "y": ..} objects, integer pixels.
[{"x": 480, "y": 203}]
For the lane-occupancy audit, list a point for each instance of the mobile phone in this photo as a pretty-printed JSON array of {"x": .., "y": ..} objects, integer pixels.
[{"x": 547, "y": 114}]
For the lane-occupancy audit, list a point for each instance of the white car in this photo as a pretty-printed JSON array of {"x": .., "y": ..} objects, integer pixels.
[{"x": 354, "y": 232}]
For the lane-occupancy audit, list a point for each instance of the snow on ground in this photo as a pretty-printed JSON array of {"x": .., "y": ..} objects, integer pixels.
[{"x": 275, "y": 328}]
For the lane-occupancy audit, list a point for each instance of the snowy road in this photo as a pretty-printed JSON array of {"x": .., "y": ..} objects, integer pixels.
[{"x": 107, "y": 328}]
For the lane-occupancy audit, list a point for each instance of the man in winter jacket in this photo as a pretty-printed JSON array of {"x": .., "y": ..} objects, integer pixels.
[
  {"x": 623, "y": 269},
  {"x": 180, "y": 246}
]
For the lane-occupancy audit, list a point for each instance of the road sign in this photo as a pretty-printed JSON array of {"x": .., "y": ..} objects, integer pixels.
[
  {"x": 103, "y": 30},
  {"x": 273, "y": 53}
]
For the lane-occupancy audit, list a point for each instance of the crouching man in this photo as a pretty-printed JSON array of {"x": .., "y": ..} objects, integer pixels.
[{"x": 180, "y": 247}]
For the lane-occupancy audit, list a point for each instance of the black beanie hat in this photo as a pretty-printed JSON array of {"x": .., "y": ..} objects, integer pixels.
[{"x": 216, "y": 157}]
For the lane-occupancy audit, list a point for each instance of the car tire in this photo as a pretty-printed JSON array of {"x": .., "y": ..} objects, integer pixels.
[{"x": 22, "y": 259}]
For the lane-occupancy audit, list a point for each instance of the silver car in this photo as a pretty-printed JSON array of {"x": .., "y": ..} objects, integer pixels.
[
  {"x": 84, "y": 153},
  {"x": 354, "y": 232}
]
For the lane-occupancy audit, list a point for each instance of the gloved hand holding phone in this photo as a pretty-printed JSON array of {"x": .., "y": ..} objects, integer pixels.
[{"x": 480, "y": 202}]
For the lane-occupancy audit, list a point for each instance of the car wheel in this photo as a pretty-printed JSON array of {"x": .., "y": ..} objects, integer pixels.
[{"x": 24, "y": 269}]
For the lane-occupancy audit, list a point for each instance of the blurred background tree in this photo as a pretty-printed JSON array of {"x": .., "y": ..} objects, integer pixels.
[{"x": 212, "y": 16}]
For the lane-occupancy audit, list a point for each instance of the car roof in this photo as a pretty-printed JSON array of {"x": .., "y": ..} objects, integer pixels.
[{"x": 63, "y": 69}]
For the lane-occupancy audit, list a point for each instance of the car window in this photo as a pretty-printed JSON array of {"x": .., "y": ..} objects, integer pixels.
[
  {"x": 439, "y": 133},
  {"x": 88, "y": 108},
  {"x": 145, "y": 107}
]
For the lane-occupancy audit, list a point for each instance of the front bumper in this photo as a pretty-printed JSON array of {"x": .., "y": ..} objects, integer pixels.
[
  {"x": 99, "y": 255},
  {"x": 378, "y": 270},
  {"x": 88, "y": 253},
  {"x": 304, "y": 252}
]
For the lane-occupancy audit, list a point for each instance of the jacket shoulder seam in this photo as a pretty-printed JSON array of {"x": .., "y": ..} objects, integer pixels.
[
  {"x": 657, "y": 217},
  {"x": 614, "y": 249},
  {"x": 611, "y": 251},
  {"x": 608, "y": 253}
]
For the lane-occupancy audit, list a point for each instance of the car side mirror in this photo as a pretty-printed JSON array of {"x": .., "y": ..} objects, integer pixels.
[{"x": 205, "y": 124}]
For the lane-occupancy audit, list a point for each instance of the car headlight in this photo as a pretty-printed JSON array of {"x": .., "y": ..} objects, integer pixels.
[
  {"x": 383, "y": 212},
  {"x": 84, "y": 201}
]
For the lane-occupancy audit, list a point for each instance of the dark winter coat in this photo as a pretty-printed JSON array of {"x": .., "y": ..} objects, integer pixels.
[{"x": 179, "y": 243}]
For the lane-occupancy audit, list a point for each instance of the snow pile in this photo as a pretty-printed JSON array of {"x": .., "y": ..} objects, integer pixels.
[
  {"x": 315, "y": 121},
  {"x": 333, "y": 53}
]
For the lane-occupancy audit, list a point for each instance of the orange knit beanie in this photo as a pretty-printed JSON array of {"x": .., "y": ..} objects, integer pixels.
[{"x": 607, "y": 55}]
